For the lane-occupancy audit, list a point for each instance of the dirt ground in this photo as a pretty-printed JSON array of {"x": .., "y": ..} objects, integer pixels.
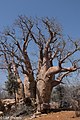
[{"x": 63, "y": 115}]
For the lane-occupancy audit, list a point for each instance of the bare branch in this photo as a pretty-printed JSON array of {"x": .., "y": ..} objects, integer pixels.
[
  {"x": 68, "y": 55},
  {"x": 59, "y": 79},
  {"x": 70, "y": 69},
  {"x": 52, "y": 70}
]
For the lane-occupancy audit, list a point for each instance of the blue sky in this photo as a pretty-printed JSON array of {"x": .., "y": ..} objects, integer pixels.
[{"x": 67, "y": 12}]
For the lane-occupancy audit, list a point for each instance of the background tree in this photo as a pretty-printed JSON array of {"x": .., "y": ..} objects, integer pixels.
[
  {"x": 61, "y": 95},
  {"x": 8, "y": 63},
  {"x": 11, "y": 85},
  {"x": 61, "y": 91}
]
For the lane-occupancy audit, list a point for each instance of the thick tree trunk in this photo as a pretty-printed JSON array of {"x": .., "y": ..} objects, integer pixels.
[
  {"x": 20, "y": 91},
  {"x": 44, "y": 89},
  {"x": 26, "y": 86},
  {"x": 29, "y": 87}
]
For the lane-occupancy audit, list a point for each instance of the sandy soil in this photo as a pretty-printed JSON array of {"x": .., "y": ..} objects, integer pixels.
[{"x": 64, "y": 115}]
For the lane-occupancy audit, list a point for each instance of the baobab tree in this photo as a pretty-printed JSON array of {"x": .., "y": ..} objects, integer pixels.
[
  {"x": 56, "y": 56},
  {"x": 14, "y": 84}
]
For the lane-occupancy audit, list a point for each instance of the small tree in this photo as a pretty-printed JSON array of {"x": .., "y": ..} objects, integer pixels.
[
  {"x": 60, "y": 93},
  {"x": 62, "y": 96},
  {"x": 76, "y": 100},
  {"x": 12, "y": 85}
]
